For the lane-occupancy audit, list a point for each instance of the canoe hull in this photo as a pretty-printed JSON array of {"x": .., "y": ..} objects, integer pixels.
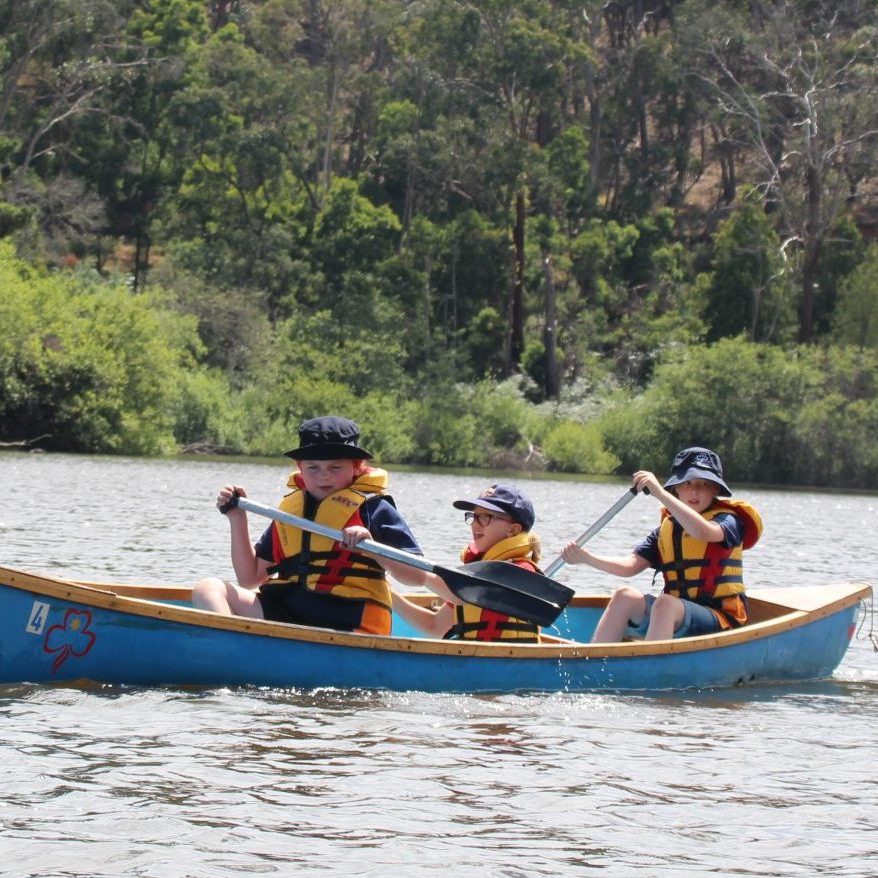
[{"x": 57, "y": 631}]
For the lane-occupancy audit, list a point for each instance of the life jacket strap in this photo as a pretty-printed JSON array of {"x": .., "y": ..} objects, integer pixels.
[
  {"x": 302, "y": 565},
  {"x": 458, "y": 631},
  {"x": 679, "y": 566}
]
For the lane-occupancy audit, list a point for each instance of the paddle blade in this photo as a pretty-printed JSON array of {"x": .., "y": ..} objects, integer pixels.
[{"x": 509, "y": 589}]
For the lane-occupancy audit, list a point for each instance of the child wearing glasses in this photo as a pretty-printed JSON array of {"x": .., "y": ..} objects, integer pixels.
[
  {"x": 697, "y": 547},
  {"x": 500, "y": 518}
]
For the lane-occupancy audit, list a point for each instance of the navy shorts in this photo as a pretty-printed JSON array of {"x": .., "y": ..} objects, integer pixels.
[
  {"x": 291, "y": 602},
  {"x": 696, "y": 620}
]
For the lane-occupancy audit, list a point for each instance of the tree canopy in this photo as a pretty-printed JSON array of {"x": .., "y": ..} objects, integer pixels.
[{"x": 497, "y": 233}]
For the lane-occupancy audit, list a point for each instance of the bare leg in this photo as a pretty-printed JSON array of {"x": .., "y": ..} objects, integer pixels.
[
  {"x": 626, "y": 603},
  {"x": 226, "y": 598},
  {"x": 666, "y": 617}
]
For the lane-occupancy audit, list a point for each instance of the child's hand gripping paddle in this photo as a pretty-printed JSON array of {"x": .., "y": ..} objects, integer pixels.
[{"x": 598, "y": 525}]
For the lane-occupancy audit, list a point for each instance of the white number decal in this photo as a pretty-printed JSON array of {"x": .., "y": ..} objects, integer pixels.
[{"x": 38, "y": 615}]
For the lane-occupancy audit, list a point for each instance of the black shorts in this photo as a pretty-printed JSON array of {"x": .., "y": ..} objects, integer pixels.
[{"x": 292, "y": 602}]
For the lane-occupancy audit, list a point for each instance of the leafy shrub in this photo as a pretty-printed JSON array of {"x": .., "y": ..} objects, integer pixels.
[
  {"x": 446, "y": 436},
  {"x": 205, "y": 412},
  {"x": 735, "y": 397},
  {"x": 578, "y": 448},
  {"x": 87, "y": 363},
  {"x": 797, "y": 415}
]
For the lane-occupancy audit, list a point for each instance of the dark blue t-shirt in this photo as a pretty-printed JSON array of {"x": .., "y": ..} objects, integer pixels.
[
  {"x": 380, "y": 517},
  {"x": 733, "y": 529}
]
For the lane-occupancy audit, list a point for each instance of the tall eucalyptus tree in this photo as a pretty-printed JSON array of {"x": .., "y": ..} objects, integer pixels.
[{"x": 797, "y": 84}]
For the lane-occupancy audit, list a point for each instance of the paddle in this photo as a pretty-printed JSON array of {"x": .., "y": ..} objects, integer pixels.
[
  {"x": 598, "y": 525},
  {"x": 494, "y": 585}
]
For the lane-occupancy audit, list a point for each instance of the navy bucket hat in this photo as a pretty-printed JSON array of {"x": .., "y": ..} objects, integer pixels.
[
  {"x": 698, "y": 463},
  {"x": 328, "y": 438},
  {"x": 506, "y": 499}
]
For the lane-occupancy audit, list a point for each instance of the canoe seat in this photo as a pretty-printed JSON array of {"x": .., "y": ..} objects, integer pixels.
[{"x": 551, "y": 638}]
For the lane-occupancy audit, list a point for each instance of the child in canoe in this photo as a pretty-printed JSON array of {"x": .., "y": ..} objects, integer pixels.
[
  {"x": 501, "y": 518},
  {"x": 290, "y": 575},
  {"x": 697, "y": 547}
]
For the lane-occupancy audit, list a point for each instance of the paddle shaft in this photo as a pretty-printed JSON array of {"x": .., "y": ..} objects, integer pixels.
[
  {"x": 367, "y": 545},
  {"x": 598, "y": 525},
  {"x": 494, "y": 585}
]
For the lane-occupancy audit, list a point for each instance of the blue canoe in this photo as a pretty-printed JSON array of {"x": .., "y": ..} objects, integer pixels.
[{"x": 54, "y": 630}]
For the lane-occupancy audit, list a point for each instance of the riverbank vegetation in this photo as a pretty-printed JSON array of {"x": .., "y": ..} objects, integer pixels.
[{"x": 538, "y": 234}]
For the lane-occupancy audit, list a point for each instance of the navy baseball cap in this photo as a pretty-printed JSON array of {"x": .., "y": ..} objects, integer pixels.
[
  {"x": 697, "y": 463},
  {"x": 506, "y": 499}
]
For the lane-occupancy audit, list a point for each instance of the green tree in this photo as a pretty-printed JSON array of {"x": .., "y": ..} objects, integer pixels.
[
  {"x": 128, "y": 151},
  {"x": 243, "y": 206},
  {"x": 800, "y": 85},
  {"x": 750, "y": 291},
  {"x": 58, "y": 61},
  {"x": 856, "y": 317}
]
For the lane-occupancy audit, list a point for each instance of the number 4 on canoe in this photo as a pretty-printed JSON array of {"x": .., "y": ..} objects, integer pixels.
[{"x": 494, "y": 585}]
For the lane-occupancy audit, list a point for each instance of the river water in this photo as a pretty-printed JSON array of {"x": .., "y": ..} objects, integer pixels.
[{"x": 116, "y": 781}]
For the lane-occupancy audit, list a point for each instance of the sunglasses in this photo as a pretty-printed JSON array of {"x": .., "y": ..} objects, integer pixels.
[{"x": 482, "y": 519}]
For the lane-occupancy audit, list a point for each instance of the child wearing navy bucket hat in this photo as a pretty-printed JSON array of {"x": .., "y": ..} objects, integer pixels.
[
  {"x": 290, "y": 575},
  {"x": 501, "y": 519},
  {"x": 697, "y": 547}
]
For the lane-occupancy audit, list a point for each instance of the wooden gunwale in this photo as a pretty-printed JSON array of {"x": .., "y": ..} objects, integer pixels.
[{"x": 111, "y": 597}]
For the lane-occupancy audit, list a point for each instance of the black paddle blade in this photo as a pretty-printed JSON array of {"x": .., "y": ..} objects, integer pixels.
[{"x": 509, "y": 589}]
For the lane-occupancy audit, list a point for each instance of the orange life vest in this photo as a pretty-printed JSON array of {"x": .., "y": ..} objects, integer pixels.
[
  {"x": 321, "y": 563},
  {"x": 709, "y": 573},
  {"x": 477, "y": 623}
]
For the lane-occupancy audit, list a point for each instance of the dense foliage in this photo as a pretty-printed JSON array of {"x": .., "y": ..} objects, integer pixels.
[{"x": 502, "y": 233}]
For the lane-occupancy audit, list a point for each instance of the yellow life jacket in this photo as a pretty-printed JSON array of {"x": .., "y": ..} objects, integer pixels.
[
  {"x": 709, "y": 573},
  {"x": 477, "y": 623},
  {"x": 319, "y": 562}
]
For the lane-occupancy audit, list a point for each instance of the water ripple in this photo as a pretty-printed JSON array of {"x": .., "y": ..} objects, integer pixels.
[{"x": 175, "y": 783}]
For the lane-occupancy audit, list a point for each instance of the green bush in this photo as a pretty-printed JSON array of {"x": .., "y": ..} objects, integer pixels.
[
  {"x": 446, "y": 436},
  {"x": 87, "y": 363},
  {"x": 388, "y": 425},
  {"x": 578, "y": 448},
  {"x": 798, "y": 415},
  {"x": 205, "y": 412},
  {"x": 473, "y": 425},
  {"x": 507, "y": 419},
  {"x": 735, "y": 397},
  {"x": 835, "y": 428}
]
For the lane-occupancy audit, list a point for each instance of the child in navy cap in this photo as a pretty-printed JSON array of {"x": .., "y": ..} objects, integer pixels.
[{"x": 501, "y": 519}]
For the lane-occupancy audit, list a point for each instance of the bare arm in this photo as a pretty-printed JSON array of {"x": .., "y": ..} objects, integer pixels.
[
  {"x": 250, "y": 571},
  {"x": 404, "y": 573},
  {"x": 694, "y": 523},
  {"x": 434, "y": 623},
  {"x": 437, "y": 585},
  {"x": 629, "y": 565}
]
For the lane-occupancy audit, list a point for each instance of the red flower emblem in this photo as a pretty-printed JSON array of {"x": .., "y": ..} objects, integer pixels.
[{"x": 71, "y": 638}]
